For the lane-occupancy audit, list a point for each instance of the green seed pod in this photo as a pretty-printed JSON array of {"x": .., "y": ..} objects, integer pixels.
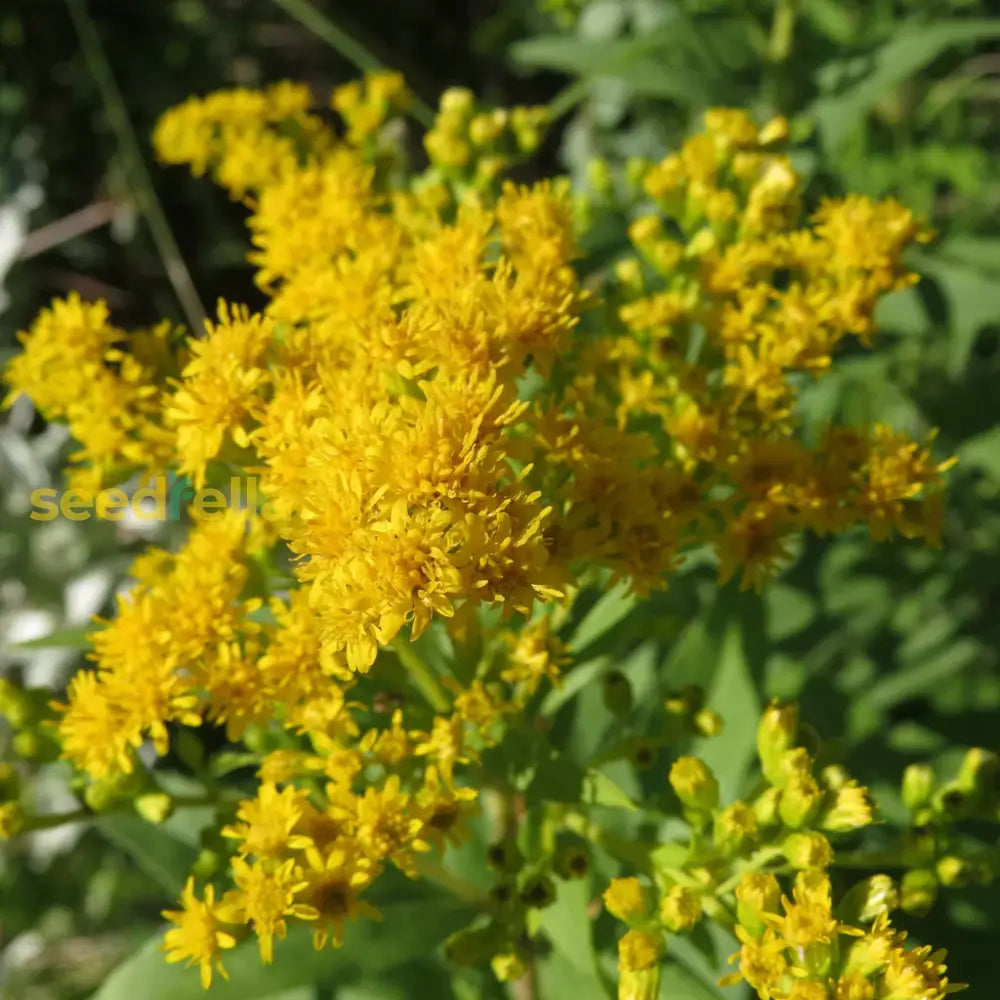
[
  {"x": 572, "y": 857},
  {"x": 505, "y": 856},
  {"x": 537, "y": 892}
]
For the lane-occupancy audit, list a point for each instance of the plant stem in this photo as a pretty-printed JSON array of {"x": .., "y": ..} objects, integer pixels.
[
  {"x": 347, "y": 46},
  {"x": 141, "y": 183},
  {"x": 422, "y": 675}
]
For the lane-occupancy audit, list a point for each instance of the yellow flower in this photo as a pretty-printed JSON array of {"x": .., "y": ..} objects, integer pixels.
[{"x": 201, "y": 934}]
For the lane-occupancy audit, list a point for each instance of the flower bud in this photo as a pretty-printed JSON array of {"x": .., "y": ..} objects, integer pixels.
[
  {"x": 776, "y": 735},
  {"x": 773, "y": 132},
  {"x": 509, "y": 966},
  {"x": 12, "y": 820},
  {"x": 694, "y": 784},
  {"x": 867, "y": 899},
  {"x": 10, "y": 783},
  {"x": 707, "y": 723},
  {"x": 36, "y": 745},
  {"x": 756, "y": 894},
  {"x": 807, "y": 850},
  {"x": 800, "y": 800},
  {"x": 616, "y": 691},
  {"x": 15, "y": 704},
  {"x": 628, "y": 271},
  {"x": 680, "y": 909},
  {"x": 154, "y": 807},
  {"x": 599, "y": 177},
  {"x": 765, "y": 807},
  {"x": 917, "y": 891},
  {"x": 952, "y": 870},
  {"x": 639, "y": 956},
  {"x": 207, "y": 864},
  {"x": 735, "y": 827},
  {"x": 626, "y": 899},
  {"x": 979, "y": 775},
  {"x": 850, "y": 809},
  {"x": 917, "y": 786}
]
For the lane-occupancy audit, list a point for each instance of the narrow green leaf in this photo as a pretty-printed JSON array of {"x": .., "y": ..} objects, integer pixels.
[
  {"x": 911, "y": 48},
  {"x": 70, "y": 637}
]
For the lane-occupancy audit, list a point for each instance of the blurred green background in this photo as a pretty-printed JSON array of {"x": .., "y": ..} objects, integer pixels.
[{"x": 891, "y": 648}]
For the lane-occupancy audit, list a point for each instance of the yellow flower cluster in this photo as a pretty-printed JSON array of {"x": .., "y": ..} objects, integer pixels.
[
  {"x": 802, "y": 948},
  {"x": 449, "y": 427},
  {"x": 104, "y": 383}
]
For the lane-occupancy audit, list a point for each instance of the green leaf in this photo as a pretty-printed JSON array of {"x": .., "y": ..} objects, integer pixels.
[
  {"x": 70, "y": 637},
  {"x": 163, "y": 855},
  {"x": 611, "y": 608},
  {"x": 972, "y": 301},
  {"x": 910, "y": 49},
  {"x": 412, "y": 929},
  {"x": 569, "y": 928},
  {"x": 735, "y": 697},
  {"x": 600, "y": 790}
]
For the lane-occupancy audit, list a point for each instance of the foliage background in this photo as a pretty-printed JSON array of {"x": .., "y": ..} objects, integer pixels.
[{"x": 892, "y": 649}]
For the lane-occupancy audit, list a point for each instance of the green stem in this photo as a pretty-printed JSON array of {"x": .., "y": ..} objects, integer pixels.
[
  {"x": 141, "y": 183},
  {"x": 435, "y": 872},
  {"x": 347, "y": 46},
  {"x": 429, "y": 683}
]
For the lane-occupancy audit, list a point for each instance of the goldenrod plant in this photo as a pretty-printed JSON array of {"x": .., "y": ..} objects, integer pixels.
[{"x": 476, "y": 451}]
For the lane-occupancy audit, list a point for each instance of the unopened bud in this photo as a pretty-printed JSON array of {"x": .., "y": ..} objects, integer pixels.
[
  {"x": 952, "y": 870},
  {"x": 917, "y": 891},
  {"x": 777, "y": 732},
  {"x": 868, "y": 899},
  {"x": 694, "y": 784},
  {"x": 639, "y": 957},
  {"x": 12, "y": 820},
  {"x": 680, "y": 910},
  {"x": 626, "y": 899},
  {"x": 154, "y": 807},
  {"x": 979, "y": 775},
  {"x": 917, "y": 786},
  {"x": 756, "y": 894},
  {"x": 509, "y": 966},
  {"x": 735, "y": 827},
  {"x": 850, "y": 809},
  {"x": 207, "y": 864},
  {"x": 10, "y": 783},
  {"x": 707, "y": 723},
  {"x": 800, "y": 800},
  {"x": 765, "y": 807},
  {"x": 807, "y": 850}
]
